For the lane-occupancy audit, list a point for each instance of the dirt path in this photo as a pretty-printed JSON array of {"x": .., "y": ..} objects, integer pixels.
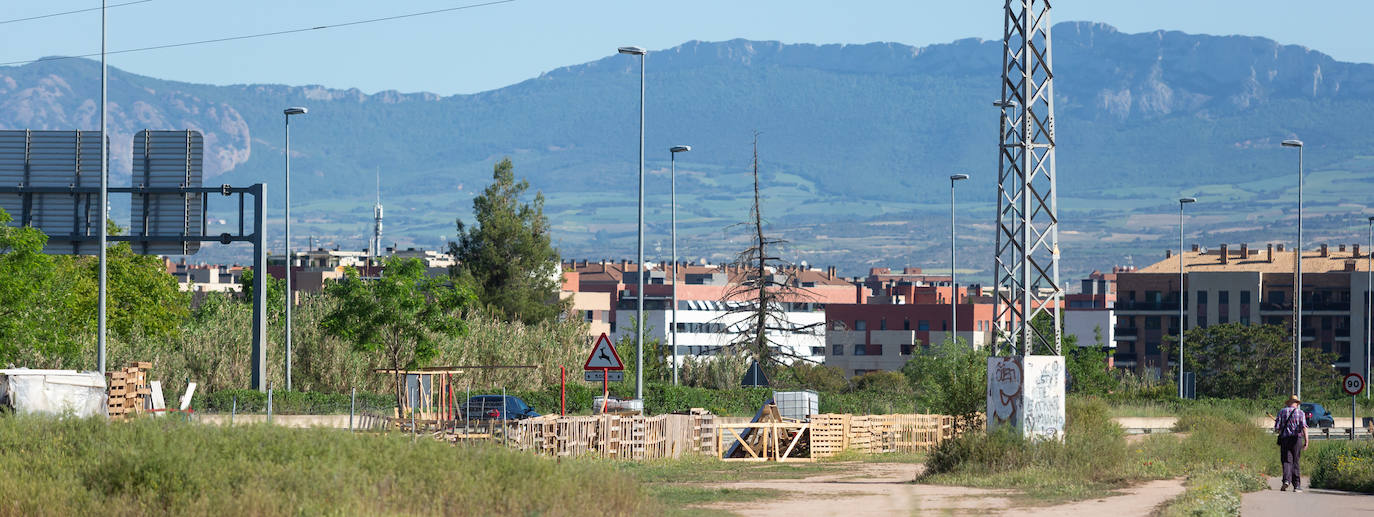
[
  {"x": 1312, "y": 501},
  {"x": 886, "y": 489}
]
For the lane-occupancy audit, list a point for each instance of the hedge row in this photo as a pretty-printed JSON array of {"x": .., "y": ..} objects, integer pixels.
[
  {"x": 291, "y": 402},
  {"x": 658, "y": 399}
]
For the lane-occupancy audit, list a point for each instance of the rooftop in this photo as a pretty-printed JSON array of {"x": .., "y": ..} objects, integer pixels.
[{"x": 1258, "y": 260}]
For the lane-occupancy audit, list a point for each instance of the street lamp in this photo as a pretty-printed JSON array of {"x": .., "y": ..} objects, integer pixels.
[
  {"x": 1182, "y": 293},
  {"x": 1369, "y": 302},
  {"x": 639, "y": 310},
  {"x": 287, "y": 114},
  {"x": 953, "y": 285},
  {"x": 673, "y": 161},
  {"x": 1297, "y": 283}
]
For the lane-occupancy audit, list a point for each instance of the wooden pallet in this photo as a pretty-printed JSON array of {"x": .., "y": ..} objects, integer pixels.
[{"x": 128, "y": 390}]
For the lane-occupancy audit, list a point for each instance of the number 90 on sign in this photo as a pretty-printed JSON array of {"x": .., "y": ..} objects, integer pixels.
[{"x": 1353, "y": 384}]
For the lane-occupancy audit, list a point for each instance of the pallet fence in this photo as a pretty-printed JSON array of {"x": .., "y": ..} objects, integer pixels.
[{"x": 637, "y": 437}]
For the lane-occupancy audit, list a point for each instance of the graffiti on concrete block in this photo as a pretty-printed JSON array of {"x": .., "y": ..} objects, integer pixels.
[
  {"x": 1004, "y": 392},
  {"x": 1044, "y": 397}
]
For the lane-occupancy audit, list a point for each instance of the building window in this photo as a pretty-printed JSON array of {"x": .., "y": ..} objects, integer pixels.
[
  {"x": 860, "y": 349},
  {"x": 906, "y": 324},
  {"x": 836, "y": 349},
  {"x": 882, "y": 324},
  {"x": 817, "y": 350},
  {"x": 1152, "y": 323},
  {"x": 1245, "y": 297},
  {"x": 923, "y": 325},
  {"x": 906, "y": 349},
  {"x": 591, "y": 316},
  {"x": 860, "y": 325}
]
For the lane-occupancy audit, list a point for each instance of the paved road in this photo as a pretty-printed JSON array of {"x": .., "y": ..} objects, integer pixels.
[{"x": 1312, "y": 501}]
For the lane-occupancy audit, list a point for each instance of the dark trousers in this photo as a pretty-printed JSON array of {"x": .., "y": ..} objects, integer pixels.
[{"x": 1290, "y": 452}]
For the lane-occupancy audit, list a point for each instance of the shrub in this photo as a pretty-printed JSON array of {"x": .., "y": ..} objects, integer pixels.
[
  {"x": 880, "y": 382},
  {"x": 291, "y": 402},
  {"x": 951, "y": 379},
  {"x": 1344, "y": 465}
]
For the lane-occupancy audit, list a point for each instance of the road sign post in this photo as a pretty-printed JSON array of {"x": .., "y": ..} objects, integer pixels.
[
  {"x": 1353, "y": 384},
  {"x": 600, "y": 363}
]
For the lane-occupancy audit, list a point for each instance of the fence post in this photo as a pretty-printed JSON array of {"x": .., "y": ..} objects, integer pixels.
[
  {"x": 505, "y": 432},
  {"x": 233, "y": 409},
  {"x": 269, "y": 402},
  {"x": 352, "y": 405}
]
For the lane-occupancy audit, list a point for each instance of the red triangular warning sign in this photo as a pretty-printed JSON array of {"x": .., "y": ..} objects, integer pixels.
[{"x": 603, "y": 356}]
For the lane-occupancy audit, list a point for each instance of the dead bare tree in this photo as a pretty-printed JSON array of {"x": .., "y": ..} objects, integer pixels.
[{"x": 762, "y": 288}]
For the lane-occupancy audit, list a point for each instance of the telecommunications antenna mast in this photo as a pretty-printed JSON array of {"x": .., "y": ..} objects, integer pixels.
[{"x": 1027, "y": 242}]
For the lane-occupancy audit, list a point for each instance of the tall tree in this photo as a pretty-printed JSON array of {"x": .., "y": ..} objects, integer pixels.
[
  {"x": 1251, "y": 361},
  {"x": 766, "y": 284},
  {"x": 402, "y": 316},
  {"x": 38, "y": 314},
  {"x": 507, "y": 256}
]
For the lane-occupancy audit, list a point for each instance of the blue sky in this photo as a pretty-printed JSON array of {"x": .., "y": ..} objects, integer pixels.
[{"x": 489, "y": 47}]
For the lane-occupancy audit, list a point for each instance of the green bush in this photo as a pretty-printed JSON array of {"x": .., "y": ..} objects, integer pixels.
[
  {"x": 1344, "y": 465},
  {"x": 880, "y": 382}
]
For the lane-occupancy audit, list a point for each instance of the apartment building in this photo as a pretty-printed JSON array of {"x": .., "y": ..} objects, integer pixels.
[
  {"x": 711, "y": 306},
  {"x": 1248, "y": 286},
  {"x": 861, "y": 338}
]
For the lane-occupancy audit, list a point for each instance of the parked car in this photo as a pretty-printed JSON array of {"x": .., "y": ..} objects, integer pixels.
[
  {"x": 1317, "y": 416},
  {"x": 496, "y": 407}
]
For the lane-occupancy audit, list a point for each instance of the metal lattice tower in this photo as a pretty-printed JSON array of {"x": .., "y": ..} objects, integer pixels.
[
  {"x": 376, "y": 241},
  {"x": 1027, "y": 243}
]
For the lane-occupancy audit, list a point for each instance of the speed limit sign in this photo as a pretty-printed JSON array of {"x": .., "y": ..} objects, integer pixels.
[{"x": 1353, "y": 385}]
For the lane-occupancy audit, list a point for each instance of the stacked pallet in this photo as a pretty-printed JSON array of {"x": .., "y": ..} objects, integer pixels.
[
  {"x": 128, "y": 389},
  {"x": 829, "y": 434}
]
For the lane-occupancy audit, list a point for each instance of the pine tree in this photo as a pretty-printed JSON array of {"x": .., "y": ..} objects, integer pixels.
[{"x": 507, "y": 256}]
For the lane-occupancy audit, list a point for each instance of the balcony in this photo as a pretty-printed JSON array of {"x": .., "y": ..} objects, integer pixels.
[
  {"x": 1147, "y": 306},
  {"x": 1310, "y": 306},
  {"x": 1126, "y": 332}
]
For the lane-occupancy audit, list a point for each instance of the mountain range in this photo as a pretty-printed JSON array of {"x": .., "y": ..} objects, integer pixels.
[{"x": 855, "y": 143}]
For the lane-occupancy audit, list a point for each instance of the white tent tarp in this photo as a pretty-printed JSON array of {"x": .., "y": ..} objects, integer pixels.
[{"x": 54, "y": 392}]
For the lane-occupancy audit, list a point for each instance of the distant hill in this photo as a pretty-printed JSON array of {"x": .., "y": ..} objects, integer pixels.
[{"x": 848, "y": 134}]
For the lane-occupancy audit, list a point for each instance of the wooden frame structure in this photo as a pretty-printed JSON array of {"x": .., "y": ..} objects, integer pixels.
[{"x": 440, "y": 402}]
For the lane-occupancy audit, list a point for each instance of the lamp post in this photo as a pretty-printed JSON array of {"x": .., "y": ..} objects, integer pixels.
[
  {"x": 287, "y": 113},
  {"x": 639, "y": 298},
  {"x": 953, "y": 285},
  {"x": 673, "y": 162},
  {"x": 1297, "y": 283},
  {"x": 1369, "y": 302},
  {"x": 1182, "y": 293}
]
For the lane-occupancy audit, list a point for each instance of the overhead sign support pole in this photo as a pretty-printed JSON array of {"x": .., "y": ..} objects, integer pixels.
[
  {"x": 259, "y": 287},
  {"x": 104, "y": 203}
]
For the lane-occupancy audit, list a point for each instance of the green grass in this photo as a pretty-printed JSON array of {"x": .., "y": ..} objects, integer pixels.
[
  {"x": 165, "y": 467},
  {"x": 1222, "y": 453},
  {"x": 687, "y": 500}
]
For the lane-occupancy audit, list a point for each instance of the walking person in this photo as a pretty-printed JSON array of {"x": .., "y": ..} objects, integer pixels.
[{"x": 1291, "y": 426}]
